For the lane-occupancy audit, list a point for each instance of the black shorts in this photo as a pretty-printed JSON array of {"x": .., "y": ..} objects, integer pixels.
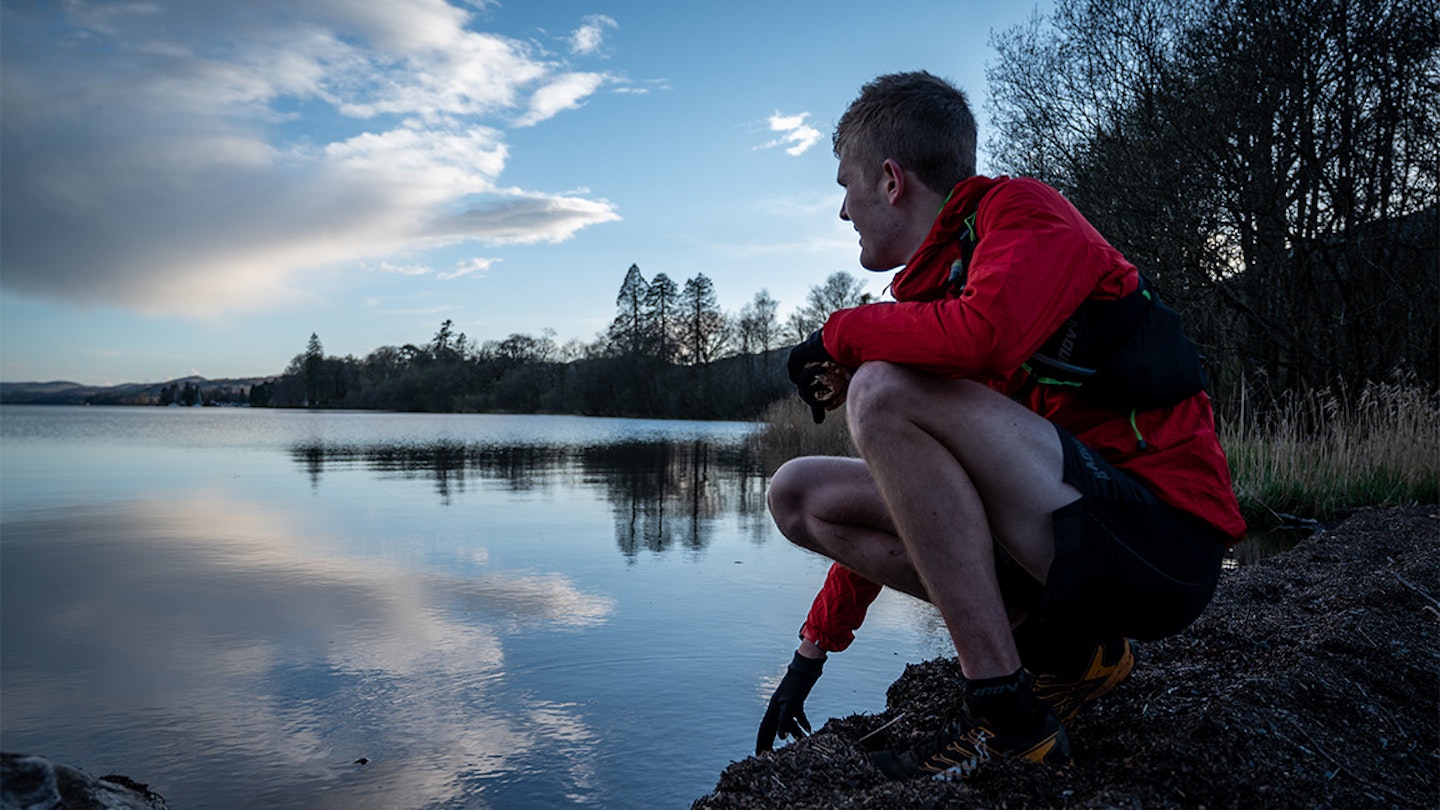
[{"x": 1126, "y": 563}]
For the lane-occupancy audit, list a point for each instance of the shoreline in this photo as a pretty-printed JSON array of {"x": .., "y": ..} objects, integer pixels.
[{"x": 1310, "y": 680}]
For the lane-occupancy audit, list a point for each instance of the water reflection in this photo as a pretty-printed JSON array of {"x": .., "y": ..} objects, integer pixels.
[
  {"x": 444, "y": 598},
  {"x": 236, "y": 606},
  {"x": 218, "y": 626},
  {"x": 663, "y": 494},
  {"x": 521, "y": 467}
]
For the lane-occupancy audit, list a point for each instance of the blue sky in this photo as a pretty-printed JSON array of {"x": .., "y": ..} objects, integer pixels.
[{"x": 195, "y": 187}]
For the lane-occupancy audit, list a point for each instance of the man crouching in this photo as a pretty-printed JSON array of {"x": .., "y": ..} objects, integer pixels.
[{"x": 1051, "y": 484}]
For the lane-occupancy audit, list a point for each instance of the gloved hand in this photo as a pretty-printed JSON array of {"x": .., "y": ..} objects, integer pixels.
[
  {"x": 785, "y": 716},
  {"x": 805, "y": 365}
]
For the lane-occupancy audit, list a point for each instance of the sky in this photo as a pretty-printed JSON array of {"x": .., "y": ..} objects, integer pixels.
[{"x": 196, "y": 187}]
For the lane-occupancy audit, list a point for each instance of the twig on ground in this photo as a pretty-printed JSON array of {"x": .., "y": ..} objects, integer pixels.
[
  {"x": 1406, "y": 583},
  {"x": 897, "y": 719},
  {"x": 1339, "y": 766}
]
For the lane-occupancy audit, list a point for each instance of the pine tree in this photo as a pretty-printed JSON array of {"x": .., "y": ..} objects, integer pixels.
[
  {"x": 661, "y": 318},
  {"x": 627, "y": 331},
  {"x": 314, "y": 371},
  {"x": 703, "y": 328}
]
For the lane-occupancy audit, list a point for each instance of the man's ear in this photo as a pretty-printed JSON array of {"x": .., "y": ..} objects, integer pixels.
[{"x": 892, "y": 175}]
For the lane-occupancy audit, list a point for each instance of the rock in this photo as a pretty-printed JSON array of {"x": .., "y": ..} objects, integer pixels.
[{"x": 36, "y": 783}]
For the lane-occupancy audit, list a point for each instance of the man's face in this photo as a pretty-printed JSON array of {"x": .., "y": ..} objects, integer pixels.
[{"x": 867, "y": 206}]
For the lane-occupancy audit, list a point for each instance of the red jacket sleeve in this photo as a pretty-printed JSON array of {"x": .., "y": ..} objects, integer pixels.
[
  {"x": 839, "y": 609},
  {"x": 1037, "y": 260}
]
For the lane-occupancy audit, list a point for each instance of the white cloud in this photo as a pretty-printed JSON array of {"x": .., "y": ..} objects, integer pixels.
[
  {"x": 524, "y": 218},
  {"x": 471, "y": 267},
  {"x": 564, "y": 93},
  {"x": 152, "y": 164},
  {"x": 797, "y": 134},
  {"x": 421, "y": 163},
  {"x": 405, "y": 270},
  {"x": 787, "y": 123},
  {"x": 590, "y": 37},
  {"x": 637, "y": 88}
]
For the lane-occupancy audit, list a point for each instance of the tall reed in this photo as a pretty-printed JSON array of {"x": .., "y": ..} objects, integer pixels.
[
  {"x": 1318, "y": 454},
  {"x": 789, "y": 431}
]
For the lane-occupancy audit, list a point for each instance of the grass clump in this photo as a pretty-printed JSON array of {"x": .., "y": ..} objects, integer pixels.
[
  {"x": 789, "y": 432},
  {"x": 1319, "y": 455}
]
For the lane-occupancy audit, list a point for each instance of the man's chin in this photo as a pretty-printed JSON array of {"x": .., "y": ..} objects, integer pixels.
[{"x": 877, "y": 266}]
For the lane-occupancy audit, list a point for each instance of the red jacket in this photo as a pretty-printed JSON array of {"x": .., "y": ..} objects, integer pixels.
[{"x": 1036, "y": 261}]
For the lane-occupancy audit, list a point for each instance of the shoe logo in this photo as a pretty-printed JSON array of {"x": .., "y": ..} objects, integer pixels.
[
  {"x": 1002, "y": 689},
  {"x": 964, "y": 768}
]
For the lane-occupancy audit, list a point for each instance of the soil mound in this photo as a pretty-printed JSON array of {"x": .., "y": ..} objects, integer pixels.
[{"x": 1311, "y": 681}]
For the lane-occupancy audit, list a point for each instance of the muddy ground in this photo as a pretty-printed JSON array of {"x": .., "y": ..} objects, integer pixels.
[{"x": 1313, "y": 680}]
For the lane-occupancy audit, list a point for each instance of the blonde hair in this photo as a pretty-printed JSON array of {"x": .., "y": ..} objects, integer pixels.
[{"x": 919, "y": 120}]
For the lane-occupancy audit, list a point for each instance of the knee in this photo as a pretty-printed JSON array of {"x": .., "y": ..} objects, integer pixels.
[
  {"x": 789, "y": 495},
  {"x": 884, "y": 397},
  {"x": 880, "y": 394},
  {"x": 873, "y": 382}
]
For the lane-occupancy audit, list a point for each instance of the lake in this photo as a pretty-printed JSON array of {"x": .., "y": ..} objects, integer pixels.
[{"x": 287, "y": 609}]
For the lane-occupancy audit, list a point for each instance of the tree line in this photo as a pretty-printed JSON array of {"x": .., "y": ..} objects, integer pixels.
[
  {"x": 1272, "y": 164},
  {"x": 189, "y": 393},
  {"x": 670, "y": 351}
]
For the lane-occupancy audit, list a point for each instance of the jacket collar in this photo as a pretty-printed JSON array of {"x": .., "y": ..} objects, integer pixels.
[{"x": 924, "y": 277}]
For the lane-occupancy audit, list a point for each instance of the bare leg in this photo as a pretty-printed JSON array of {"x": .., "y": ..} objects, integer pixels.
[
  {"x": 947, "y": 465},
  {"x": 832, "y": 506}
]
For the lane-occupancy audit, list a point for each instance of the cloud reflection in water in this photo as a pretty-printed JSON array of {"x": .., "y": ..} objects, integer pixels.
[{"x": 237, "y": 630}]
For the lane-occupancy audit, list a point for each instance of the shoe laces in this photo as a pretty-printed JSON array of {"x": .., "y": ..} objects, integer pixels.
[{"x": 959, "y": 724}]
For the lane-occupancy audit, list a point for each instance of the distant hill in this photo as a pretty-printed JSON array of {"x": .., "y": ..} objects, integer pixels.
[{"x": 61, "y": 392}]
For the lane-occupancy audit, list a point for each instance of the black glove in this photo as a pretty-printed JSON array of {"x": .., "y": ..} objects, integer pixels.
[
  {"x": 803, "y": 366},
  {"x": 785, "y": 716}
]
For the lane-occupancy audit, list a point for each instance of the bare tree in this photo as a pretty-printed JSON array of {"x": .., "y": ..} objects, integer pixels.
[
  {"x": 1270, "y": 162},
  {"x": 758, "y": 327},
  {"x": 840, "y": 290}
]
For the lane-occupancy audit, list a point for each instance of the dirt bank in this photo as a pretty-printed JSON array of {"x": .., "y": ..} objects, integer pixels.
[{"x": 1311, "y": 681}]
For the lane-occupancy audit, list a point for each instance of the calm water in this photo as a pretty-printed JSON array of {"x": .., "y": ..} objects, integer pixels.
[{"x": 235, "y": 606}]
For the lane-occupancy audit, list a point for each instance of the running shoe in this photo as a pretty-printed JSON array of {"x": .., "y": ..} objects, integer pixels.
[
  {"x": 1068, "y": 690},
  {"x": 965, "y": 745}
]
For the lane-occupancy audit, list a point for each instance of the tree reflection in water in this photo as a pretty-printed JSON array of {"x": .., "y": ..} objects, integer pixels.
[{"x": 664, "y": 494}]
